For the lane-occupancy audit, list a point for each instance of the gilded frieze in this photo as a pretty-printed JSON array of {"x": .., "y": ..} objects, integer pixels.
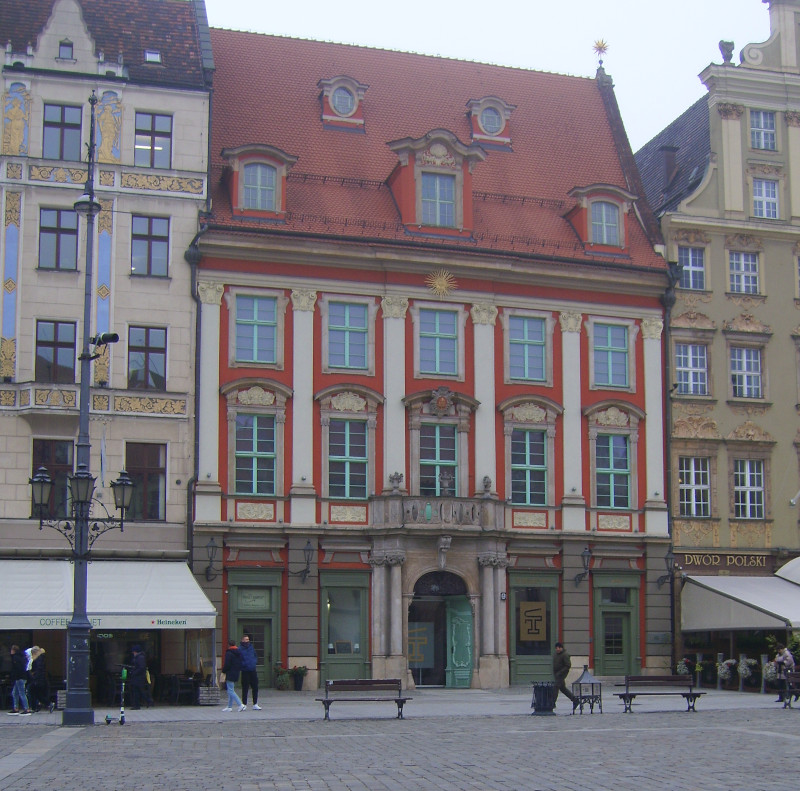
[
  {"x": 256, "y": 395},
  {"x": 530, "y": 519},
  {"x": 613, "y": 522},
  {"x": 529, "y": 413},
  {"x": 751, "y": 535},
  {"x": 612, "y": 417},
  {"x": 8, "y": 357},
  {"x": 8, "y": 398},
  {"x": 14, "y": 170},
  {"x": 349, "y": 513},
  {"x": 101, "y": 403},
  {"x": 16, "y": 117},
  {"x": 150, "y": 405},
  {"x": 13, "y": 204},
  {"x": 348, "y": 402},
  {"x": 105, "y": 217},
  {"x": 106, "y": 178},
  {"x": 55, "y": 398},
  {"x": 142, "y": 181},
  {"x": 101, "y": 366},
  {"x": 255, "y": 512},
  {"x": 24, "y": 398},
  {"x": 109, "y": 125},
  {"x": 57, "y": 175}
]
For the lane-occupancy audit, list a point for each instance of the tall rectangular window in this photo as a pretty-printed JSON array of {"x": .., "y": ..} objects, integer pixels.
[
  {"x": 743, "y": 272},
  {"x": 605, "y": 223},
  {"x": 149, "y": 245},
  {"x": 347, "y": 459},
  {"x": 613, "y": 471},
  {"x": 438, "y": 464},
  {"x": 56, "y": 456},
  {"x": 347, "y": 335},
  {"x": 694, "y": 486},
  {"x": 255, "y": 454},
  {"x": 765, "y": 199},
  {"x": 55, "y": 352},
  {"x": 611, "y": 355},
  {"x": 259, "y": 186},
  {"x": 256, "y": 329},
  {"x": 438, "y": 341},
  {"x": 691, "y": 368},
  {"x": 438, "y": 199},
  {"x": 147, "y": 358},
  {"x": 748, "y": 488},
  {"x": 526, "y": 348},
  {"x": 146, "y": 464},
  {"x": 762, "y": 129},
  {"x": 61, "y": 135},
  {"x": 152, "y": 146},
  {"x": 58, "y": 239},
  {"x": 528, "y": 467},
  {"x": 693, "y": 268},
  {"x": 746, "y": 372}
]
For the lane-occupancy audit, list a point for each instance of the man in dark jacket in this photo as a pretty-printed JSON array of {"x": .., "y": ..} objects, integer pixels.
[
  {"x": 19, "y": 675},
  {"x": 138, "y": 679},
  {"x": 561, "y": 667},
  {"x": 247, "y": 652}
]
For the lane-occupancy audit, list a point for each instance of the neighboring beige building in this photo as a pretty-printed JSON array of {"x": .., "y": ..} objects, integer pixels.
[
  {"x": 149, "y": 65},
  {"x": 724, "y": 178}
]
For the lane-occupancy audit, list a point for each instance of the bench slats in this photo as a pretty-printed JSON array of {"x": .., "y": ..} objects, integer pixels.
[
  {"x": 365, "y": 685},
  {"x": 643, "y": 685}
]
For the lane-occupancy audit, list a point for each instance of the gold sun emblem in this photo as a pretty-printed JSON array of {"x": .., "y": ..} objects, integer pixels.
[
  {"x": 441, "y": 282},
  {"x": 600, "y": 47}
]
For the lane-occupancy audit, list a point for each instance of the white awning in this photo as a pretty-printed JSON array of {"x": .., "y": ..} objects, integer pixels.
[
  {"x": 37, "y": 594},
  {"x": 732, "y": 603}
]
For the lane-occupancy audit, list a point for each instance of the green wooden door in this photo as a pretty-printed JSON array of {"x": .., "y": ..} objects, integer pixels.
[
  {"x": 615, "y": 647},
  {"x": 459, "y": 642},
  {"x": 260, "y": 631}
]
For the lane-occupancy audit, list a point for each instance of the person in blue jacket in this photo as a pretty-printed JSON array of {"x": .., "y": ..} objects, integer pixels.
[{"x": 247, "y": 652}]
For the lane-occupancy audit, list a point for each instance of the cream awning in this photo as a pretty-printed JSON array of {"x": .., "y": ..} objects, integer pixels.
[
  {"x": 731, "y": 603},
  {"x": 37, "y": 594}
]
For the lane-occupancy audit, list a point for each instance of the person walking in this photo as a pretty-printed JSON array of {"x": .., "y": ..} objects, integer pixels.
[
  {"x": 39, "y": 686},
  {"x": 561, "y": 667},
  {"x": 247, "y": 652},
  {"x": 140, "y": 690},
  {"x": 232, "y": 668},
  {"x": 19, "y": 675},
  {"x": 784, "y": 663}
]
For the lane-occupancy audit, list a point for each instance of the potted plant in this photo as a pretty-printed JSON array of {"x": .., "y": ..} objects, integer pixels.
[
  {"x": 281, "y": 675},
  {"x": 298, "y": 673}
]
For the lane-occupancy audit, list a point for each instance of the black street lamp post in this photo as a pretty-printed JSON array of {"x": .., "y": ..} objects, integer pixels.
[{"x": 82, "y": 531}]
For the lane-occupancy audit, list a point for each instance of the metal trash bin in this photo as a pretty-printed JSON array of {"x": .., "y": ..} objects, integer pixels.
[{"x": 544, "y": 697}]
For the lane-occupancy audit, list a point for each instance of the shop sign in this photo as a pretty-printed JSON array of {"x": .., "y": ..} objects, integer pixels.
[
  {"x": 533, "y": 621},
  {"x": 726, "y": 561}
]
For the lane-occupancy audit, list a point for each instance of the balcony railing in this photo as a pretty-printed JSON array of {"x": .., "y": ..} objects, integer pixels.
[{"x": 468, "y": 512}]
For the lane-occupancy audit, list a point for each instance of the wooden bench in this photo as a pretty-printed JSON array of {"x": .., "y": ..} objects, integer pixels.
[
  {"x": 659, "y": 685},
  {"x": 791, "y": 689},
  {"x": 366, "y": 687}
]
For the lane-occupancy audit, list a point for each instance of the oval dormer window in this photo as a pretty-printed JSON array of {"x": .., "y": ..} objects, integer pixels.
[
  {"x": 343, "y": 102},
  {"x": 491, "y": 121}
]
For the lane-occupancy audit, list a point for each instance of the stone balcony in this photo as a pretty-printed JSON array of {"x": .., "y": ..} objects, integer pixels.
[{"x": 396, "y": 510}]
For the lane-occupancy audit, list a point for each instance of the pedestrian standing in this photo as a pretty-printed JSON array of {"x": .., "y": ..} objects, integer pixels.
[
  {"x": 247, "y": 652},
  {"x": 232, "y": 668},
  {"x": 39, "y": 687},
  {"x": 784, "y": 663},
  {"x": 140, "y": 689},
  {"x": 561, "y": 667},
  {"x": 19, "y": 675}
]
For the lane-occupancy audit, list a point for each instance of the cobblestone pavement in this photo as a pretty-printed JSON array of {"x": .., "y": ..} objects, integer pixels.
[{"x": 456, "y": 740}]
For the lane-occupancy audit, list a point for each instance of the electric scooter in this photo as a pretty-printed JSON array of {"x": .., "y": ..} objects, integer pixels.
[{"x": 109, "y": 718}]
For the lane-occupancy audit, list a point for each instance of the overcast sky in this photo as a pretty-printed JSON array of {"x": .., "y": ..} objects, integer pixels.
[{"x": 656, "y": 49}]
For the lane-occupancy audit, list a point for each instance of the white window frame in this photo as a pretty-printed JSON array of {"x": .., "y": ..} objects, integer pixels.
[
  {"x": 599, "y": 229},
  {"x": 280, "y": 316},
  {"x": 549, "y": 328},
  {"x": 372, "y": 311},
  {"x": 752, "y": 469},
  {"x": 763, "y": 136},
  {"x": 744, "y": 272},
  {"x": 461, "y": 320},
  {"x": 692, "y": 489},
  {"x": 753, "y": 378},
  {"x": 766, "y": 203},
  {"x": 260, "y": 190},
  {"x": 633, "y": 332},
  {"x": 692, "y": 269},
  {"x": 692, "y": 377}
]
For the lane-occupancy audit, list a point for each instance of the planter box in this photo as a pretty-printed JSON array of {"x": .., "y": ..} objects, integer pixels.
[{"x": 208, "y": 696}]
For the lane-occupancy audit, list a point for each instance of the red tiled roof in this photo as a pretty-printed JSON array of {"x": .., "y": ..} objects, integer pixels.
[
  {"x": 122, "y": 26},
  {"x": 265, "y": 91}
]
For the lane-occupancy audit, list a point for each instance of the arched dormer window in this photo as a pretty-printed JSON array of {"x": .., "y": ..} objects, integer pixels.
[
  {"x": 259, "y": 186},
  {"x": 342, "y": 100},
  {"x": 489, "y": 117},
  {"x": 432, "y": 183},
  {"x": 256, "y": 177},
  {"x": 600, "y": 214}
]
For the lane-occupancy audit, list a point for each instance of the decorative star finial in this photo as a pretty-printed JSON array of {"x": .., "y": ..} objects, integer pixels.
[
  {"x": 600, "y": 47},
  {"x": 440, "y": 282}
]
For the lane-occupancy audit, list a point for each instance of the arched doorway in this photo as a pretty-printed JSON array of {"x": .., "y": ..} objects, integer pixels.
[{"x": 440, "y": 631}]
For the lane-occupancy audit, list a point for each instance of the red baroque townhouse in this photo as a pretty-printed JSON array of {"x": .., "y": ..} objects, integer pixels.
[{"x": 430, "y": 387}]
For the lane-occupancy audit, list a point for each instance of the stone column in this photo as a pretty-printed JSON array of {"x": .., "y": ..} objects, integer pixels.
[
  {"x": 395, "y": 662},
  {"x": 793, "y": 147},
  {"x": 380, "y": 615},
  {"x": 501, "y": 619},
  {"x": 655, "y": 505},
  {"x": 303, "y": 494},
  {"x": 730, "y": 162},
  {"x": 484, "y": 316},
  {"x": 573, "y": 510},
  {"x": 486, "y": 562},
  {"x": 208, "y": 500},
  {"x": 394, "y": 383}
]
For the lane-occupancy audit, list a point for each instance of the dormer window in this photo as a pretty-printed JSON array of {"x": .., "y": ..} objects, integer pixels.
[
  {"x": 342, "y": 103},
  {"x": 600, "y": 215},
  {"x": 605, "y": 223},
  {"x": 65, "y": 51},
  {"x": 256, "y": 176},
  {"x": 489, "y": 117},
  {"x": 152, "y": 56},
  {"x": 259, "y": 186},
  {"x": 432, "y": 183}
]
